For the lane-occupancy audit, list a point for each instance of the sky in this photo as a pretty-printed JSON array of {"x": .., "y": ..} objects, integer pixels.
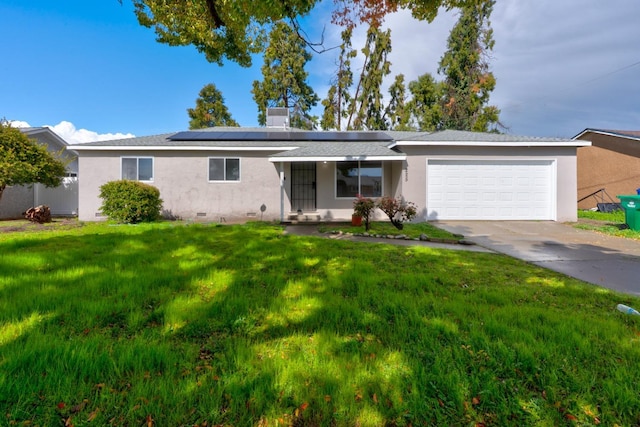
[{"x": 91, "y": 72}]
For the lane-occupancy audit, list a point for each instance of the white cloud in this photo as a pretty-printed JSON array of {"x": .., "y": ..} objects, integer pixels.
[
  {"x": 68, "y": 132},
  {"x": 560, "y": 67}
]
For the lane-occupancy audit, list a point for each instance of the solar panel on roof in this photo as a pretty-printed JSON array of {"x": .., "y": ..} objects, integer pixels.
[{"x": 279, "y": 136}]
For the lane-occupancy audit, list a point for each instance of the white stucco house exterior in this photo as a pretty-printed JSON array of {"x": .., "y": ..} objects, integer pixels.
[
  {"x": 62, "y": 200},
  {"x": 235, "y": 174}
]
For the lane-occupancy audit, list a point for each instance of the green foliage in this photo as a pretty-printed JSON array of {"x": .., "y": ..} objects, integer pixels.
[
  {"x": 366, "y": 107},
  {"x": 425, "y": 103},
  {"x": 183, "y": 325},
  {"x": 336, "y": 104},
  {"x": 235, "y": 30},
  {"x": 363, "y": 207},
  {"x": 24, "y": 161},
  {"x": 210, "y": 110},
  {"x": 398, "y": 111},
  {"x": 284, "y": 78},
  {"x": 130, "y": 201},
  {"x": 397, "y": 210},
  {"x": 468, "y": 82}
]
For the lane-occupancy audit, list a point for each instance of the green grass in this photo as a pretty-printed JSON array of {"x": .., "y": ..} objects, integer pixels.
[
  {"x": 242, "y": 325},
  {"x": 413, "y": 230},
  {"x": 611, "y": 223}
]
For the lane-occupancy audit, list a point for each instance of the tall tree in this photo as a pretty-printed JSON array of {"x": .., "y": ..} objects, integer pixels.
[
  {"x": 284, "y": 82},
  {"x": 367, "y": 109},
  {"x": 467, "y": 80},
  {"x": 23, "y": 161},
  {"x": 425, "y": 104},
  {"x": 336, "y": 104},
  {"x": 210, "y": 110},
  {"x": 236, "y": 29},
  {"x": 398, "y": 111}
]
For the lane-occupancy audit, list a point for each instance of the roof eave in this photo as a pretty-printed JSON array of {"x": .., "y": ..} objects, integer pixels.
[
  {"x": 172, "y": 148},
  {"x": 291, "y": 159},
  {"x": 493, "y": 143}
]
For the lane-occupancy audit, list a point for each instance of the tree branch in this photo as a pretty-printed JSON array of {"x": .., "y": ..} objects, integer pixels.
[{"x": 217, "y": 21}]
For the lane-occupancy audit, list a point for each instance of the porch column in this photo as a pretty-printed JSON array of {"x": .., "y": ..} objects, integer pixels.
[{"x": 281, "y": 192}]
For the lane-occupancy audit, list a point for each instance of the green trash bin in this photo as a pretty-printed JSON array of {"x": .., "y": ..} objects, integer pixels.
[{"x": 631, "y": 206}]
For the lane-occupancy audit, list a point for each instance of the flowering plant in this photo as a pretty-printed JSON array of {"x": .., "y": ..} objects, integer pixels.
[
  {"x": 397, "y": 210},
  {"x": 363, "y": 207}
]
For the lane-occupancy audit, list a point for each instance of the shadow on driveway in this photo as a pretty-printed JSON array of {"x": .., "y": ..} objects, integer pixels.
[{"x": 607, "y": 261}]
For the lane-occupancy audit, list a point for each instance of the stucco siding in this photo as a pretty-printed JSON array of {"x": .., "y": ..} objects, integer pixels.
[
  {"x": 332, "y": 208},
  {"x": 182, "y": 179},
  {"x": 610, "y": 163}
]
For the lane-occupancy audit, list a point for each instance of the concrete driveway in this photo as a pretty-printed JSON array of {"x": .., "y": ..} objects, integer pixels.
[{"x": 610, "y": 262}]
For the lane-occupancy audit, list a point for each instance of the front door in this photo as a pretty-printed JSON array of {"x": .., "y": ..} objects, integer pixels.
[{"x": 303, "y": 186}]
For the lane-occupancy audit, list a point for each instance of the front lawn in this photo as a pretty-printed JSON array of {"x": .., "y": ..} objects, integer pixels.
[{"x": 185, "y": 325}]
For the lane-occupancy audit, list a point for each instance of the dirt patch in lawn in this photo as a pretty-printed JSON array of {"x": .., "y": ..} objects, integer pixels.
[{"x": 19, "y": 225}]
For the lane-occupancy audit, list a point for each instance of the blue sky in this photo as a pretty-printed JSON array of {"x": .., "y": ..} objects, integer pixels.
[{"x": 89, "y": 70}]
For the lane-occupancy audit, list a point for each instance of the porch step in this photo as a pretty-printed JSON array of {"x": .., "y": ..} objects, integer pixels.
[{"x": 307, "y": 217}]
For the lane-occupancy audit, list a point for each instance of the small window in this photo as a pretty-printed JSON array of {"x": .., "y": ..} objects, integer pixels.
[
  {"x": 137, "y": 168},
  {"x": 223, "y": 169}
]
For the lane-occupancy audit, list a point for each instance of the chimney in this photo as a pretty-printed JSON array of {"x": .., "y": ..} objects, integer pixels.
[{"x": 278, "y": 117}]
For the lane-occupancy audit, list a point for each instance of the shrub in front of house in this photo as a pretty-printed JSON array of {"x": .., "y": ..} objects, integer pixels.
[
  {"x": 397, "y": 210},
  {"x": 363, "y": 207},
  {"x": 130, "y": 202}
]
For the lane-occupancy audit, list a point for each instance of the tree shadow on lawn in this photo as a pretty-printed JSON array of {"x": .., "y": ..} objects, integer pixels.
[{"x": 243, "y": 325}]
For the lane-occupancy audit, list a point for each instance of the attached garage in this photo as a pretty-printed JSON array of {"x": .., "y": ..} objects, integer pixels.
[
  {"x": 458, "y": 175},
  {"x": 491, "y": 189}
]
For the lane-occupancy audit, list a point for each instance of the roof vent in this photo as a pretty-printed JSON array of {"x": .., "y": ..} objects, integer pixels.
[{"x": 278, "y": 117}]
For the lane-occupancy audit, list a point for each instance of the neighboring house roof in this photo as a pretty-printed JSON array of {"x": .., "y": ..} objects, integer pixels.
[
  {"x": 629, "y": 134},
  {"x": 38, "y": 132},
  {"x": 300, "y": 145}
]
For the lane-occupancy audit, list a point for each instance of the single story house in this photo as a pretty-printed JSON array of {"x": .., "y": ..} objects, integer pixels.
[
  {"x": 610, "y": 166},
  {"x": 62, "y": 200},
  {"x": 276, "y": 173}
]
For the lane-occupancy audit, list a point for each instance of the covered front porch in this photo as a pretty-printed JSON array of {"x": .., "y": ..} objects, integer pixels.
[{"x": 317, "y": 187}]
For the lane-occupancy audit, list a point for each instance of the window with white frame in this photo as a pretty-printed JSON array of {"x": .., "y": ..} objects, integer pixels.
[
  {"x": 363, "y": 178},
  {"x": 224, "y": 169},
  {"x": 137, "y": 168}
]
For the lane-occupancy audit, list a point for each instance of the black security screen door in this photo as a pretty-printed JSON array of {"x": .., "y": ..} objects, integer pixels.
[{"x": 303, "y": 186}]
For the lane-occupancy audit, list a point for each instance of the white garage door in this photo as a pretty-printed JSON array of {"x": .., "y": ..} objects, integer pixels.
[{"x": 490, "y": 189}]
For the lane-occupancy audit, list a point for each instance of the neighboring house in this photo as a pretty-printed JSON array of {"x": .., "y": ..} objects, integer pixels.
[
  {"x": 611, "y": 163},
  {"x": 235, "y": 174},
  {"x": 62, "y": 200}
]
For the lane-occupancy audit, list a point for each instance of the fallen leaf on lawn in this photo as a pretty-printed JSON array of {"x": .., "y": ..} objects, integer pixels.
[
  {"x": 304, "y": 406},
  {"x": 92, "y": 416},
  {"x": 327, "y": 398},
  {"x": 475, "y": 401},
  {"x": 150, "y": 421},
  {"x": 375, "y": 398},
  {"x": 68, "y": 422},
  {"x": 570, "y": 417},
  {"x": 79, "y": 407}
]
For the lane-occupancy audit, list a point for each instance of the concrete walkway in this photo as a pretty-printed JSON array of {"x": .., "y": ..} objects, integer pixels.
[{"x": 610, "y": 262}]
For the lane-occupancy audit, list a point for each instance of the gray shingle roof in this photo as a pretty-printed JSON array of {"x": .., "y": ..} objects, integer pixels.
[
  {"x": 460, "y": 136},
  {"x": 331, "y": 144},
  {"x": 342, "y": 150},
  {"x": 633, "y": 134}
]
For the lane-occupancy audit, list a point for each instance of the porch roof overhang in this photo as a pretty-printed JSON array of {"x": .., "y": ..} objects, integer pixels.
[{"x": 338, "y": 152}]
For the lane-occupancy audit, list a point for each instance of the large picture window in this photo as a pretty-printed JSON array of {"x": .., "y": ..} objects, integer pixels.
[
  {"x": 363, "y": 178},
  {"x": 137, "y": 168},
  {"x": 224, "y": 169}
]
